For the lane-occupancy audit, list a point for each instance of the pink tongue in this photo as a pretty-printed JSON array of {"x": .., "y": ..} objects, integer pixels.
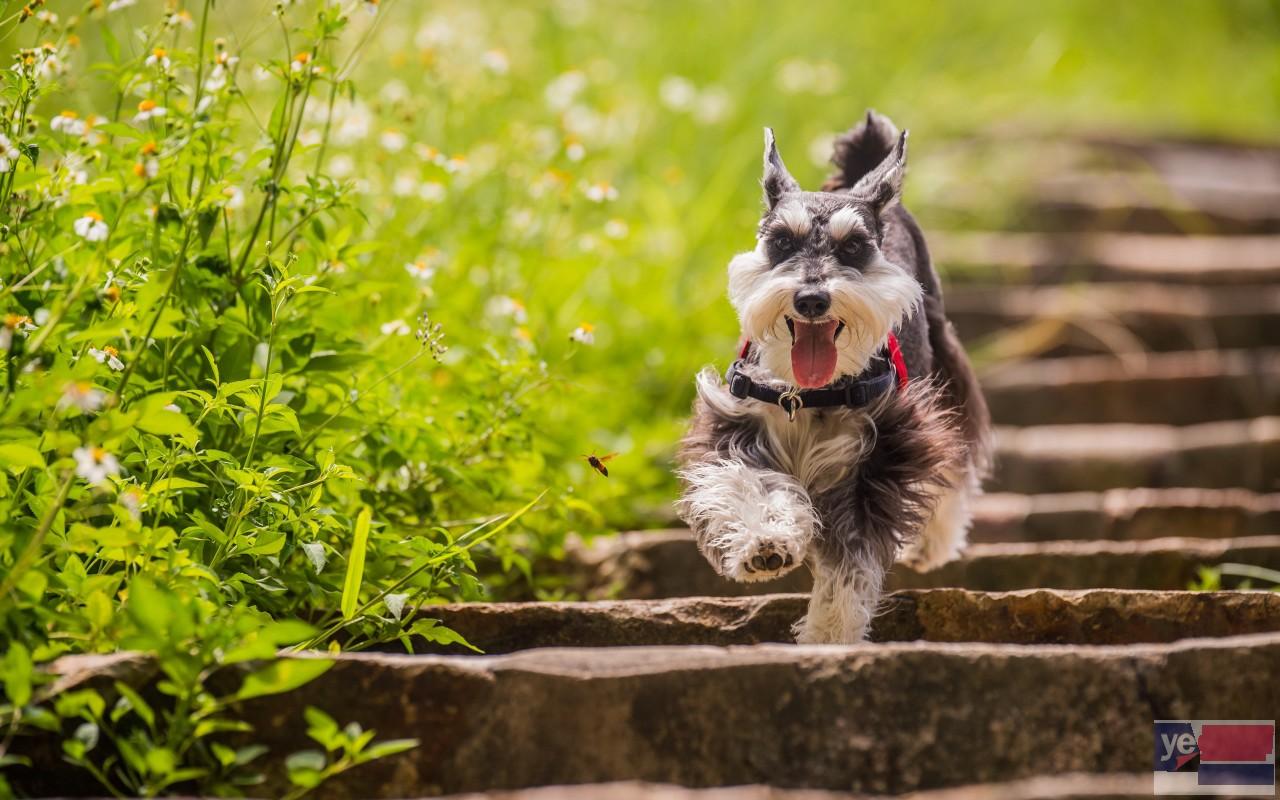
[{"x": 813, "y": 353}]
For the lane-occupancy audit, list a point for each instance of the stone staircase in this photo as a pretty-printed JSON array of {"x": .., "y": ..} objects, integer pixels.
[{"x": 1139, "y": 441}]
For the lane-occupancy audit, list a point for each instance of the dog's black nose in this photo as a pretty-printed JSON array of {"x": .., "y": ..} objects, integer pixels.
[{"x": 812, "y": 304}]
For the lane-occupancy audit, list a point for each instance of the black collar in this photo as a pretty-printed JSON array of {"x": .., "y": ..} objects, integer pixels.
[{"x": 849, "y": 393}]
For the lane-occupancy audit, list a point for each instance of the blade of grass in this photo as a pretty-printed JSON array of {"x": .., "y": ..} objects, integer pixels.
[
  {"x": 355, "y": 564},
  {"x": 457, "y": 547}
]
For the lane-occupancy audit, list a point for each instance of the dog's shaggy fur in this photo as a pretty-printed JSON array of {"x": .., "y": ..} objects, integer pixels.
[{"x": 844, "y": 490}]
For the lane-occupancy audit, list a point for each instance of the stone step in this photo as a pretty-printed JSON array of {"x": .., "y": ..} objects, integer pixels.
[
  {"x": 1112, "y": 316},
  {"x": 1036, "y": 258},
  {"x": 884, "y": 718},
  {"x": 1124, "y": 514},
  {"x": 1155, "y": 564},
  {"x": 1049, "y": 787},
  {"x": 1066, "y": 458},
  {"x": 1158, "y": 388},
  {"x": 1120, "y": 201},
  {"x": 662, "y": 564},
  {"x": 1035, "y": 616}
]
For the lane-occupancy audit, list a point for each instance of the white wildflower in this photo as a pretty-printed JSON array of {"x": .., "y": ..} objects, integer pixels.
[
  {"x": 600, "y": 192},
  {"x": 341, "y": 165},
  {"x": 116, "y": 5},
  {"x": 396, "y": 327},
  {"x": 677, "y": 93},
  {"x": 392, "y": 140},
  {"x": 404, "y": 184},
  {"x": 496, "y": 62},
  {"x": 51, "y": 67},
  {"x": 91, "y": 226},
  {"x": 235, "y": 197},
  {"x": 107, "y": 355},
  {"x": 424, "y": 267},
  {"x": 504, "y": 306},
  {"x": 713, "y": 106},
  {"x": 585, "y": 333},
  {"x": 616, "y": 229},
  {"x": 432, "y": 191},
  {"x": 148, "y": 109},
  {"x": 574, "y": 151},
  {"x": 131, "y": 499},
  {"x": 562, "y": 91},
  {"x": 159, "y": 58},
  {"x": 95, "y": 465},
  {"x": 8, "y": 154},
  {"x": 421, "y": 270},
  {"x": 68, "y": 122},
  {"x": 82, "y": 395}
]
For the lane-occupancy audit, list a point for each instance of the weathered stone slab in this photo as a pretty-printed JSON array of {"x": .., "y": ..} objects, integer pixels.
[
  {"x": 1153, "y": 564},
  {"x": 1149, "y": 203},
  {"x": 1036, "y": 616},
  {"x": 1158, "y": 388},
  {"x": 1061, "y": 257},
  {"x": 658, "y": 564},
  {"x": 1066, "y": 458},
  {"x": 667, "y": 564},
  {"x": 881, "y": 718},
  {"x": 1050, "y": 787},
  {"x": 1094, "y": 317},
  {"x": 1124, "y": 514}
]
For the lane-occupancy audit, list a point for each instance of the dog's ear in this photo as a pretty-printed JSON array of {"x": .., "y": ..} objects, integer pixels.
[
  {"x": 777, "y": 181},
  {"x": 882, "y": 186}
]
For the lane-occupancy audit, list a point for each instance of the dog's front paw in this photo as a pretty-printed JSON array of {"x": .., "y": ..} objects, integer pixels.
[{"x": 763, "y": 557}]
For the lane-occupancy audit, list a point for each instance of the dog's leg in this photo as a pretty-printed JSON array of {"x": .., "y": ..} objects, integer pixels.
[
  {"x": 752, "y": 524},
  {"x": 947, "y": 531},
  {"x": 844, "y": 600}
]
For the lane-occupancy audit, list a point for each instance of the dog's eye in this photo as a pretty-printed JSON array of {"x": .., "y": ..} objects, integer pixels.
[
  {"x": 850, "y": 253},
  {"x": 784, "y": 244}
]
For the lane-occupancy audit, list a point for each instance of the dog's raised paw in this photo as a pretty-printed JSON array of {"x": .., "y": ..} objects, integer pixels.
[{"x": 763, "y": 560}]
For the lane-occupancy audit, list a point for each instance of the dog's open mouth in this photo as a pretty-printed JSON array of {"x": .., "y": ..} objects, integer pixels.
[{"x": 813, "y": 351}]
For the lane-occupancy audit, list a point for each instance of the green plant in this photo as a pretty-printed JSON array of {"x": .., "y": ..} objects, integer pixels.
[
  {"x": 1210, "y": 579},
  {"x": 222, "y": 224}
]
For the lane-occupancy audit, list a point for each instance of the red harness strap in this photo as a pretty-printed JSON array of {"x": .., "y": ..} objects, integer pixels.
[
  {"x": 895, "y": 357},
  {"x": 899, "y": 363}
]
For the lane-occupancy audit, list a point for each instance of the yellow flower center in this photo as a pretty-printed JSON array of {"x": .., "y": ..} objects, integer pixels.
[
  {"x": 98, "y": 454},
  {"x": 302, "y": 58},
  {"x": 587, "y": 327},
  {"x": 68, "y": 115},
  {"x": 149, "y": 148},
  {"x": 147, "y": 105},
  {"x": 159, "y": 52},
  {"x": 111, "y": 351},
  {"x": 12, "y": 321},
  {"x": 93, "y": 215}
]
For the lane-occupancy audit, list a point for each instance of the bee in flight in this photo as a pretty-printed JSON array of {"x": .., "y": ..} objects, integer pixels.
[{"x": 597, "y": 463}]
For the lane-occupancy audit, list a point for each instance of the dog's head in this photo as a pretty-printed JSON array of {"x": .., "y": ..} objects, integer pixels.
[{"x": 816, "y": 296}]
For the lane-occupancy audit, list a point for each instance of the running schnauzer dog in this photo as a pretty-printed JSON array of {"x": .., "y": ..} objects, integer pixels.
[{"x": 851, "y": 430}]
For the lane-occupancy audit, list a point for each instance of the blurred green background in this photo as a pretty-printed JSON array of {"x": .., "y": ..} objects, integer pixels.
[{"x": 499, "y": 133}]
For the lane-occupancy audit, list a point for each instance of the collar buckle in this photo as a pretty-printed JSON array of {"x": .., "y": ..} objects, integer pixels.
[{"x": 791, "y": 401}]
